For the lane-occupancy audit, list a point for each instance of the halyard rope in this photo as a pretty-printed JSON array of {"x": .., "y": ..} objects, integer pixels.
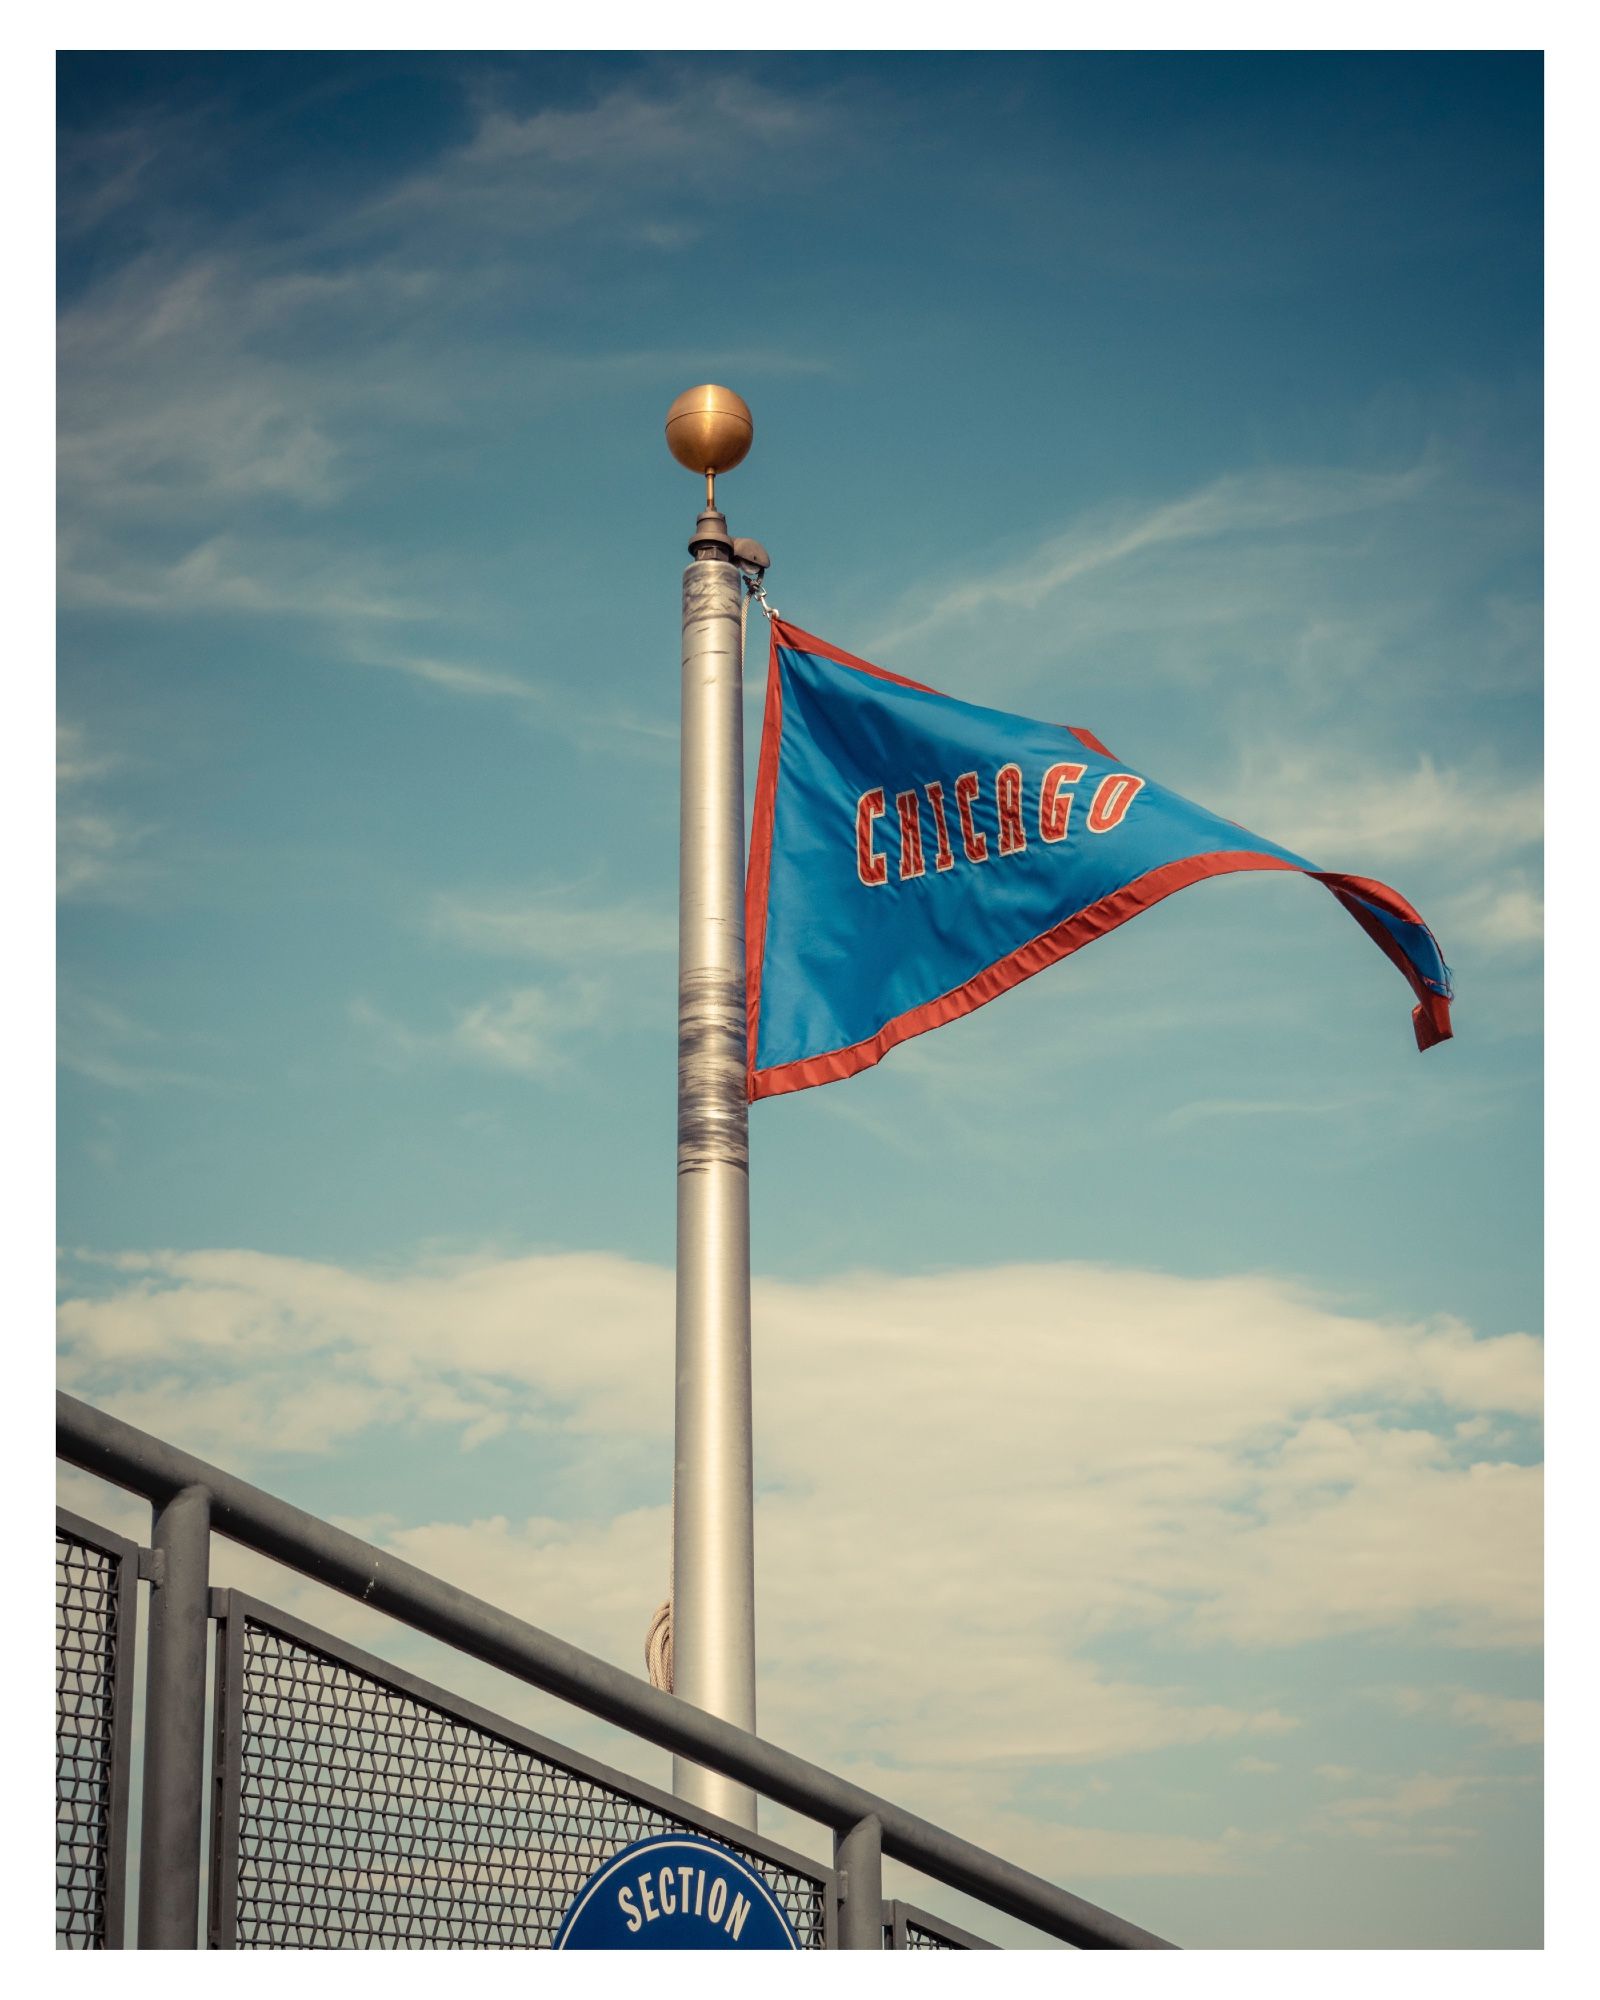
[{"x": 658, "y": 1648}]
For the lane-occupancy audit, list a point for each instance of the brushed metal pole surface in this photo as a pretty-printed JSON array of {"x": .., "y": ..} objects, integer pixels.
[
  {"x": 713, "y": 1592},
  {"x": 175, "y": 1725},
  {"x": 858, "y": 1857}
]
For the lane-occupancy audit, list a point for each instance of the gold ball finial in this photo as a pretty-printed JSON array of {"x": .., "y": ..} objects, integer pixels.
[{"x": 709, "y": 430}]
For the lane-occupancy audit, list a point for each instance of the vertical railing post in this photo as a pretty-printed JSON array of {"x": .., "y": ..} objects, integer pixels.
[
  {"x": 858, "y": 1861},
  {"x": 175, "y": 1724}
]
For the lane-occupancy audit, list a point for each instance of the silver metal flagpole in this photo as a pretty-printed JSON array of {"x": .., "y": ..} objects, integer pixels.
[{"x": 709, "y": 430}]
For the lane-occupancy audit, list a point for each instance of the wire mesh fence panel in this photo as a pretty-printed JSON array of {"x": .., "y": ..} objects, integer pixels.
[
  {"x": 909, "y": 1929},
  {"x": 917, "y": 1939},
  {"x": 365, "y": 1813},
  {"x": 94, "y": 1651}
]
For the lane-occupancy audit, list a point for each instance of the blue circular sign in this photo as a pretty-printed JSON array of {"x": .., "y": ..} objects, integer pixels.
[{"x": 676, "y": 1892}]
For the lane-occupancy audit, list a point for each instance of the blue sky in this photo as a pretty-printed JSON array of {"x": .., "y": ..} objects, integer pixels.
[{"x": 1172, "y": 1320}]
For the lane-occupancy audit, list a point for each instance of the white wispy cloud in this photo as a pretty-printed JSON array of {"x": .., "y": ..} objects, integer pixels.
[
  {"x": 108, "y": 1046},
  {"x": 1506, "y": 1718},
  {"x": 529, "y": 173},
  {"x": 526, "y": 1029},
  {"x": 96, "y": 844},
  {"x": 224, "y": 574},
  {"x": 218, "y": 369},
  {"x": 91, "y": 848},
  {"x": 1250, "y": 504},
  {"x": 453, "y": 676},
  {"x": 533, "y": 1028},
  {"x": 257, "y": 422},
  {"x": 1502, "y": 915},
  {"x": 1206, "y": 1110},
  {"x": 1305, "y": 596},
  {"x": 104, "y": 169},
  {"x": 1390, "y": 1815},
  {"x": 1341, "y": 812},
  {"x": 523, "y": 1029},
  {"x": 1081, "y": 1850},
  {"x": 217, "y": 387},
  {"x": 553, "y": 924}
]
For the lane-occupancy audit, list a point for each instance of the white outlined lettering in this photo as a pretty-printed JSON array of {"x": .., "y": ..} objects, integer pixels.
[
  {"x": 737, "y": 1915},
  {"x": 650, "y": 1910},
  {"x": 717, "y": 1901},
  {"x": 668, "y": 1895},
  {"x": 629, "y": 1908},
  {"x": 1008, "y": 808},
  {"x": 943, "y": 858},
  {"x": 976, "y": 844},
  {"x": 909, "y": 807},
  {"x": 1055, "y": 805},
  {"x": 1112, "y": 798},
  {"x": 872, "y": 868}
]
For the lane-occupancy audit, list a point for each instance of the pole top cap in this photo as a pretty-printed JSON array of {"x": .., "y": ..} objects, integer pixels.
[{"x": 709, "y": 429}]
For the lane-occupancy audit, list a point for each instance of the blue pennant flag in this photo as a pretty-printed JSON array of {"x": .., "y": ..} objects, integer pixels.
[{"x": 914, "y": 856}]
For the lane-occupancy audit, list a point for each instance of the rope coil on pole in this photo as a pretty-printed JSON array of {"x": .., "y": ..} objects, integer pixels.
[{"x": 658, "y": 1648}]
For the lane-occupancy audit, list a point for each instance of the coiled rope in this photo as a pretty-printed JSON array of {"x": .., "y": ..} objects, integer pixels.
[{"x": 658, "y": 1648}]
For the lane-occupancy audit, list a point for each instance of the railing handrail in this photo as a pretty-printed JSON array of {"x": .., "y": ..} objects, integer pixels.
[{"x": 128, "y": 1457}]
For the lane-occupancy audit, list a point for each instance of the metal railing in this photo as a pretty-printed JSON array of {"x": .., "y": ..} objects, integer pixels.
[
  {"x": 97, "y": 1602},
  {"x": 906, "y": 1928},
  {"x": 479, "y": 1799},
  {"x": 357, "y": 1805}
]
